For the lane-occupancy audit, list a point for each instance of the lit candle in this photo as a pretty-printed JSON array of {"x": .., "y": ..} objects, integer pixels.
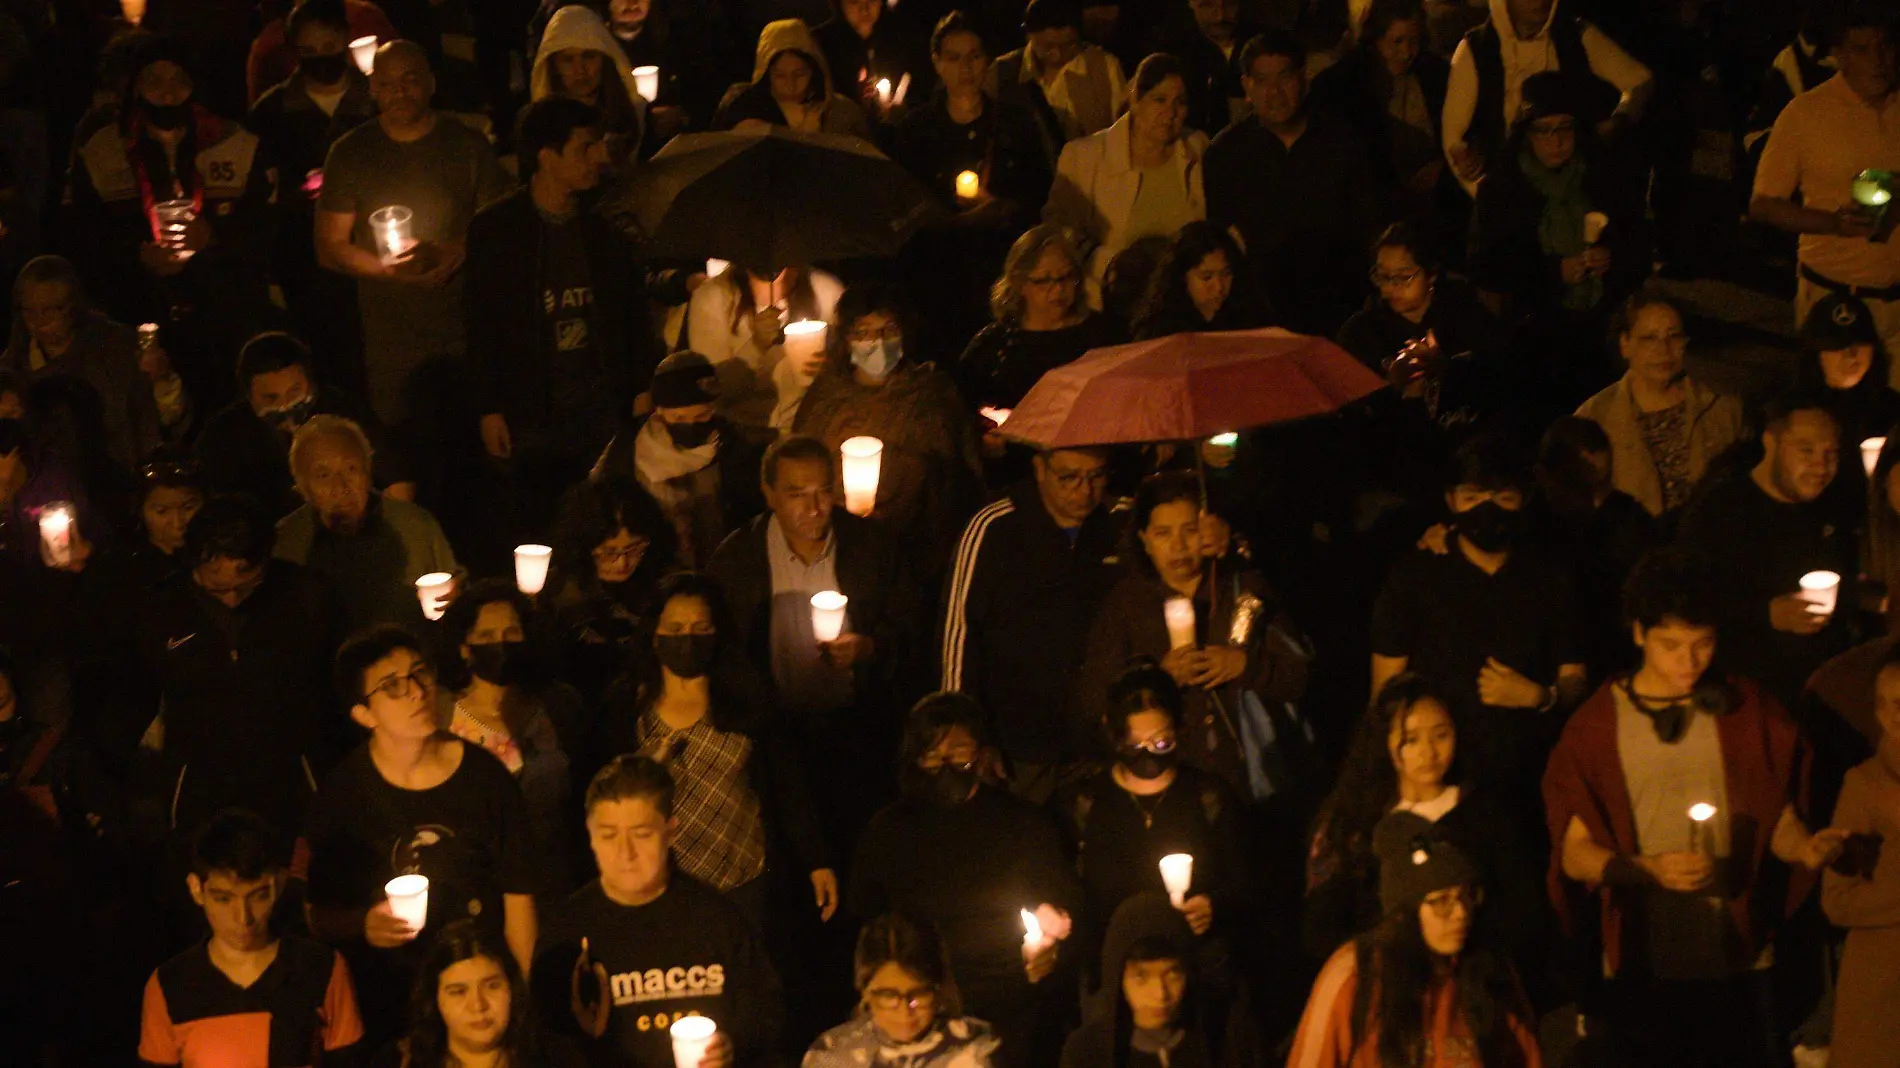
[
  {"x": 999, "y": 416},
  {"x": 647, "y": 81},
  {"x": 1593, "y": 224},
  {"x": 1870, "y": 188},
  {"x": 715, "y": 268},
  {"x": 56, "y": 533},
  {"x": 1179, "y": 612},
  {"x": 1177, "y": 873},
  {"x": 531, "y": 568},
  {"x": 1033, "y": 940},
  {"x": 1225, "y": 441},
  {"x": 148, "y": 336},
  {"x": 1821, "y": 589},
  {"x": 883, "y": 92},
  {"x": 968, "y": 185},
  {"x": 1870, "y": 453},
  {"x": 1700, "y": 838},
  {"x": 805, "y": 344},
  {"x": 827, "y": 615},
  {"x": 133, "y": 10},
  {"x": 432, "y": 590},
  {"x": 390, "y": 228},
  {"x": 691, "y": 1035},
  {"x": 363, "y": 51},
  {"x": 863, "y": 456},
  {"x": 174, "y": 216},
  {"x": 409, "y": 899}
]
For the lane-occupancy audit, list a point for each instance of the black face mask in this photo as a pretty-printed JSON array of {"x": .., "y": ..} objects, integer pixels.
[
  {"x": 288, "y": 418},
  {"x": 1143, "y": 764},
  {"x": 324, "y": 70},
  {"x": 498, "y": 663},
  {"x": 690, "y": 435},
  {"x": 1488, "y": 527},
  {"x": 950, "y": 785},
  {"x": 690, "y": 656},
  {"x": 165, "y": 116}
]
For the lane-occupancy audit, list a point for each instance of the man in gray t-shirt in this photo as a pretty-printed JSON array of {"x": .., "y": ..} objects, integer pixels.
[{"x": 443, "y": 172}]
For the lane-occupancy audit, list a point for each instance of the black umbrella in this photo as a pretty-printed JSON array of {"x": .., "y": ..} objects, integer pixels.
[{"x": 772, "y": 198}]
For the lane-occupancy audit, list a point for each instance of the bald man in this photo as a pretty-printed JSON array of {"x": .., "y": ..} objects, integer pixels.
[{"x": 443, "y": 172}]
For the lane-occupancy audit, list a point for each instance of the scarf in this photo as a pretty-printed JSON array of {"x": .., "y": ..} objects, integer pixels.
[
  {"x": 1159, "y": 1044},
  {"x": 657, "y": 462},
  {"x": 1560, "y": 229}
]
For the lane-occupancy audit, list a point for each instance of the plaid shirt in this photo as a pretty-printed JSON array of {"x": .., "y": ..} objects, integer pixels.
[{"x": 721, "y": 831}]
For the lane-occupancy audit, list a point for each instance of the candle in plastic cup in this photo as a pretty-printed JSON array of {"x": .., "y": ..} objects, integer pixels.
[
  {"x": 1177, "y": 874},
  {"x": 409, "y": 899},
  {"x": 1225, "y": 441},
  {"x": 999, "y": 416},
  {"x": 531, "y": 568},
  {"x": 133, "y": 10},
  {"x": 827, "y": 615},
  {"x": 1870, "y": 453},
  {"x": 363, "y": 51},
  {"x": 1821, "y": 589},
  {"x": 1180, "y": 615},
  {"x": 863, "y": 456},
  {"x": 968, "y": 185},
  {"x": 432, "y": 590},
  {"x": 173, "y": 217},
  {"x": 1870, "y": 188},
  {"x": 647, "y": 81},
  {"x": 148, "y": 336},
  {"x": 1593, "y": 224},
  {"x": 391, "y": 228},
  {"x": 691, "y": 1035},
  {"x": 805, "y": 344},
  {"x": 1700, "y": 838},
  {"x": 56, "y": 533},
  {"x": 883, "y": 92},
  {"x": 715, "y": 268},
  {"x": 1032, "y": 932}
]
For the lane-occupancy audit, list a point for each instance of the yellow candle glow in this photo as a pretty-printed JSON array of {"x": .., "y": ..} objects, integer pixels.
[
  {"x": 363, "y": 53},
  {"x": 968, "y": 185},
  {"x": 863, "y": 457},
  {"x": 647, "y": 81}
]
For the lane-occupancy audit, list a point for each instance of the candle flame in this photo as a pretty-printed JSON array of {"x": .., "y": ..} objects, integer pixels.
[
  {"x": 1032, "y": 927},
  {"x": 1701, "y": 811}
]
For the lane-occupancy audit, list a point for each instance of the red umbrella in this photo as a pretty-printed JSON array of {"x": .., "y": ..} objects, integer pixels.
[{"x": 1188, "y": 386}]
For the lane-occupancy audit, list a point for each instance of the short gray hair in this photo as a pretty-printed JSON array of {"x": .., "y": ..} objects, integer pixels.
[{"x": 318, "y": 427}]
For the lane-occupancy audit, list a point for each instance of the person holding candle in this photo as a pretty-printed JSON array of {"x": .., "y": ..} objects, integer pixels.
[
  {"x": 737, "y": 320},
  {"x": 202, "y": 1007},
  {"x": 1842, "y": 360},
  {"x": 1015, "y": 646},
  {"x": 1248, "y": 658},
  {"x": 839, "y": 696},
  {"x": 1666, "y": 430},
  {"x": 560, "y": 337},
  {"x": 1425, "y": 984},
  {"x": 612, "y": 544},
  {"x": 1763, "y": 528},
  {"x": 413, "y": 798},
  {"x": 1804, "y": 182},
  {"x": 878, "y": 382},
  {"x": 580, "y": 60},
  {"x": 494, "y": 695},
  {"x": 909, "y": 1011},
  {"x": 368, "y": 546},
  {"x": 278, "y": 51},
  {"x": 1684, "y": 929},
  {"x": 1139, "y": 179},
  {"x": 689, "y": 702},
  {"x": 863, "y": 42},
  {"x": 471, "y": 1006},
  {"x": 699, "y": 466},
  {"x": 646, "y": 944},
  {"x": 791, "y": 87},
  {"x": 914, "y": 858},
  {"x": 32, "y": 480}
]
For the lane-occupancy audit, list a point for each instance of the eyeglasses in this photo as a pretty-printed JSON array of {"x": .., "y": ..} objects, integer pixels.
[
  {"x": 606, "y": 555},
  {"x": 1160, "y": 745},
  {"x": 396, "y": 687},
  {"x": 1445, "y": 903},
  {"x": 1073, "y": 480},
  {"x": 1048, "y": 281},
  {"x": 889, "y": 333},
  {"x": 964, "y": 760},
  {"x": 922, "y": 997},
  {"x": 168, "y": 471},
  {"x": 1401, "y": 278},
  {"x": 1560, "y": 128}
]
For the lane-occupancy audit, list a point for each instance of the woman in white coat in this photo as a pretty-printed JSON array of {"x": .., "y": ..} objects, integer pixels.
[{"x": 1140, "y": 178}]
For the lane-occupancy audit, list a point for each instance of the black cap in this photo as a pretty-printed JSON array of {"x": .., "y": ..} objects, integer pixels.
[
  {"x": 1838, "y": 321},
  {"x": 1415, "y": 862},
  {"x": 1551, "y": 92},
  {"x": 683, "y": 380}
]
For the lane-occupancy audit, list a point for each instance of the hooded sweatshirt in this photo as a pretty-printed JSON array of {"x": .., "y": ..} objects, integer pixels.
[
  {"x": 754, "y": 100},
  {"x": 1523, "y": 57},
  {"x": 575, "y": 26}
]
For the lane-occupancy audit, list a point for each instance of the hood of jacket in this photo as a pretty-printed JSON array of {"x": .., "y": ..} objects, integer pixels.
[
  {"x": 575, "y": 26},
  {"x": 1144, "y": 916},
  {"x": 789, "y": 35},
  {"x": 1507, "y": 29}
]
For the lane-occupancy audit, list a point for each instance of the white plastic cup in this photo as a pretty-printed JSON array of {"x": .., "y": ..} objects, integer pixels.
[
  {"x": 56, "y": 532},
  {"x": 827, "y": 615},
  {"x": 1594, "y": 223},
  {"x": 1179, "y": 612},
  {"x": 863, "y": 456},
  {"x": 409, "y": 899},
  {"x": 363, "y": 52},
  {"x": 691, "y": 1035},
  {"x": 1822, "y": 590},
  {"x": 133, "y": 10},
  {"x": 531, "y": 568},
  {"x": 646, "y": 80},
  {"x": 805, "y": 343},
  {"x": 432, "y": 590},
  {"x": 1177, "y": 874},
  {"x": 1870, "y": 450},
  {"x": 1701, "y": 836},
  {"x": 715, "y": 268},
  {"x": 883, "y": 93},
  {"x": 392, "y": 228}
]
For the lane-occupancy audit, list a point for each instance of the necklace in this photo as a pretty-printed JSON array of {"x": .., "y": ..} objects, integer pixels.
[{"x": 1148, "y": 805}]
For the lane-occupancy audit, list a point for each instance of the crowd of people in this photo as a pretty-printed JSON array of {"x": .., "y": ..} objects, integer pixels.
[{"x": 415, "y": 645}]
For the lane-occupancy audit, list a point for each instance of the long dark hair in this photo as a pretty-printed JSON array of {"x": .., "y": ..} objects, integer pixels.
[
  {"x": 1396, "y": 971},
  {"x": 1379, "y": 18},
  {"x": 929, "y": 720},
  {"x": 1368, "y": 784},
  {"x": 800, "y": 301},
  {"x": 1165, "y": 307},
  {"x": 461, "y": 617},
  {"x": 733, "y": 700},
  {"x": 428, "y": 1043},
  {"x": 596, "y": 510},
  {"x": 872, "y": 298}
]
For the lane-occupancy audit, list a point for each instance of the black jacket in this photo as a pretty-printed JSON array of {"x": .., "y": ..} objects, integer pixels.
[
  {"x": 1017, "y": 607},
  {"x": 1351, "y": 89},
  {"x": 1505, "y": 255},
  {"x": 741, "y": 450},
  {"x": 871, "y": 573},
  {"x": 240, "y": 453},
  {"x": 508, "y": 332}
]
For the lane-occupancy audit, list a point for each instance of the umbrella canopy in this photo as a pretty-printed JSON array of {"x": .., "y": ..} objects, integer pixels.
[
  {"x": 1188, "y": 386},
  {"x": 769, "y": 197}
]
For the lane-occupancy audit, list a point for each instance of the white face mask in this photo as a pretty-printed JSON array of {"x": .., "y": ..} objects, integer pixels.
[{"x": 877, "y": 358}]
